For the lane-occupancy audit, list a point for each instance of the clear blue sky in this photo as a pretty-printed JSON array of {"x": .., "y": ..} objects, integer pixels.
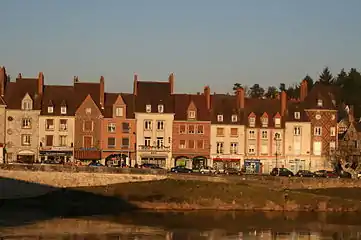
[{"x": 215, "y": 42}]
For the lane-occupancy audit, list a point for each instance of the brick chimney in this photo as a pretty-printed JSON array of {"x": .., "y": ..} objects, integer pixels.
[
  {"x": 207, "y": 94},
  {"x": 3, "y": 81},
  {"x": 135, "y": 84},
  {"x": 240, "y": 98},
  {"x": 101, "y": 92},
  {"x": 40, "y": 83},
  {"x": 303, "y": 90},
  {"x": 351, "y": 116},
  {"x": 20, "y": 76},
  {"x": 171, "y": 82},
  {"x": 283, "y": 103}
]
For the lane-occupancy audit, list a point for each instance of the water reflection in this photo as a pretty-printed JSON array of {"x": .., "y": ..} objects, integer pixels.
[{"x": 208, "y": 225}]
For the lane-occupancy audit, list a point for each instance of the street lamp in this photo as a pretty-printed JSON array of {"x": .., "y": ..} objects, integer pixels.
[{"x": 277, "y": 139}]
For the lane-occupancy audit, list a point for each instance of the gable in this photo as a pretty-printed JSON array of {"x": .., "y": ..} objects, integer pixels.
[
  {"x": 119, "y": 101},
  {"x": 88, "y": 103}
]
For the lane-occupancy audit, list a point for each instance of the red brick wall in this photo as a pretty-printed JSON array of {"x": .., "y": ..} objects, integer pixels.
[{"x": 177, "y": 137}]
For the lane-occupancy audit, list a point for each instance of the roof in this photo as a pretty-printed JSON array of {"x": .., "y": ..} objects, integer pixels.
[
  {"x": 292, "y": 108},
  {"x": 183, "y": 101},
  {"x": 321, "y": 92},
  {"x": 2, "y": 101},
  {"x": 154, "y": 94},
  {"x": 226, "y": 105},
  {"x": 111, "y": 98},
  {"x": 83, "y": 89},
  {"x": 58, "y": 96}
]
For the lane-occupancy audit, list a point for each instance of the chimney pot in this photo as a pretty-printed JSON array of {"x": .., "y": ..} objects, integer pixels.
[
  {"x": 207, "y": 94},
  {"x": 171, "y": 82},
  {"x": 283, "y": 103},
  {"x": 40, "y": 83},
  {"x": 135, "y": 84},
  {"x": 240, "y": 98}
]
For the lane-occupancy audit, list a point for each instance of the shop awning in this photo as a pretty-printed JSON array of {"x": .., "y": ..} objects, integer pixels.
[{"x": 26, "y": 153}]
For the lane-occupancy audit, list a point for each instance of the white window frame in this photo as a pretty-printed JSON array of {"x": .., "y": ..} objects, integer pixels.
[
  {"x": 147, "y": 141},
  {"x": 88, "y": 110},
  {"x": 319, "y": 102},
  {"x": 148, "y": 125},
  {"x": 277, "y": 122},
  {"x": 148, "y": 108},
  {"x": 191, "y": 114},
  {"x": 220, "y": 118},
  {"x": 251, "y": 149},
  {"x": 317, "y": 131},
  {"x": 119, "y": 111},
  {"x": 297, "y": 131},
  {"x": 220, "y": 147},
  {"x": 182, "y": 146},
  {"x": 26, "y": 105},
  {"x": 50, "y": 109},
  {"x": 63, "y": 110},
  {"x": 317, "y": 153},
  {"x": 332, "y": 131},
  {"x": 264, "y": 122},
  {"x": 160, "y": 142},
  {"x": 26, "y": 140},
  {"x": 234, "y": 118},
  {"x": 61, "y": 143},
  {"x": 297, "y": 115},
  {"x": 251, "y": 134},
  {"x": 160, "y": 108},
  {"x": 252, "y": 121},
  {"x": 160, "y": 125},
  {"x": 264, "y": 134},
  {"x": 234, "y": 148},
  {"x": 26, "y": 123},
  {"x": 112, "y": 127}
]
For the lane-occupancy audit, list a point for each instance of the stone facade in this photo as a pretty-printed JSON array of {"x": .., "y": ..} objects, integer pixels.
[{"x": 2, "y": 132}]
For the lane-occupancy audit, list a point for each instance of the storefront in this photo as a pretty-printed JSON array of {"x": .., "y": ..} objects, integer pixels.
[
  {"x": 56, "y": 155},
  {"x": 224, "y": 163},
  {"x": 25, "y": 156},
  {"x": 117, "y": 160},
  {"x": 252, "y": 166},
  {"x": 199, "y": 162},
  {"x": 161, "y": 161},
  {"x": 160, "y": 156}
]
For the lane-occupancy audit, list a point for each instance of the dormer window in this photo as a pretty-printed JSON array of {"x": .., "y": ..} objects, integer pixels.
[
  {"x": 191, "y": 114},
  {"x": 119, "y": 112},
  {"x": 297, "y": 115},
  {"x": 277, "y": 122},
  {"x": 50, "y": 109},
  {"x": 264, "y": 121},
  {"x": 63, "y": 110},
  {"x": 319, "y": 103},
  {"x": 234, "y": 118},
  {"x": 252, "y": 121},
  {"x": 220, "y": 118},
  {"x": 160, "y": 108},
  {"x": 27, "y": 105},
  {"x": 148, "y": 108}
]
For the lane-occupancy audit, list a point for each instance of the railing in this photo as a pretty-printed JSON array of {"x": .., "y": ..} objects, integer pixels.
[{"x": 154, "y": 148}]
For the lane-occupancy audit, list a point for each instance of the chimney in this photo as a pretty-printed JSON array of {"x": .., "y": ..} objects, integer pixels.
[
  {"x": 135, "y": 86},
  {"x": 3, "y": 81},
  {"x": 171, "y": 82},
  {"x": 240, "y": 98},
  {"x": 303, "y": 90},
  {"x": 283, "y": 103},
  {"x": 76, "y": 79},
  {"x": 20, "y": 76},
  {"x": 40, "y": 83},
  {"x": 101, "y": 92},
  {"x": 351, "y": 116},
  {"x": 207, "y": 94}
]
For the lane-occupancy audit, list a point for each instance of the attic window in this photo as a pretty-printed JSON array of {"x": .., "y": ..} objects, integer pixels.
[
  {"x": 297, "y": 115},
  {"x": 148, "y": 108},
  {"x": 63, "y": 110},
  {"x": 191, "y": 114},
  {"x": 252, "y": 121},
  {"x": 234, "y": 118},
  {"x": 220, "y": 118},
  {"x": 277, "y": 122},
  {"x": 119, "y": 112},
  {"x": 265, "y": 122},
  {"x": 26, "y": 105},
  {"x": 160, "y": 108},
  {"x": 88, "y": 110},
  {"x": 50, "y": 109},
  {"x": 319, "y": 102}
]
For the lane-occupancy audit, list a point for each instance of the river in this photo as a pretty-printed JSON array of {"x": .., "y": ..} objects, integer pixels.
[{"x": 215, "y": 225}]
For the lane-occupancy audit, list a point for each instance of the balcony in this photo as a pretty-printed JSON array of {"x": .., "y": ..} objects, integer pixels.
[{"x": 153, "y": 148}]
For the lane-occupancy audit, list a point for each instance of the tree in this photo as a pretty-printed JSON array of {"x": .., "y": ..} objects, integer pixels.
[
  {"x": 282, "y": 87},
  {"x": 341, "y": 78},
  {"x": 326, "y": 76},
  {"x": 271, "y": 92},
  {"x": 256, "y": 91},
  {"x": 293, "y": 91},
  {"x": 310, "y": 82},
  {"x": 236, "y": 86}
]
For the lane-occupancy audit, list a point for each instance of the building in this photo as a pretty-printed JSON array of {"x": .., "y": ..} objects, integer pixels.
[
  {"x": 191, "y": 130},
  {"x": 227, "y": 130},
  {"x": 89, "y": 104},
  {"x": 56, "y": 125},
  {"x": 23, "y": 100},
  {"x": 154, "y": 115},
  {"x": 3, "y": 83},
  {"x": 118, "y": 129}
]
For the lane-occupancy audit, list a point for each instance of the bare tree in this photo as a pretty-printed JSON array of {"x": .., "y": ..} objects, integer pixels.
[{"x": 348, "y": 158}]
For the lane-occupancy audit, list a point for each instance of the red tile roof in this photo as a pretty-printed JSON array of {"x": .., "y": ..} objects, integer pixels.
[
  {"x": 57, "y": 96},
  {"x": 182, "y": 102}
]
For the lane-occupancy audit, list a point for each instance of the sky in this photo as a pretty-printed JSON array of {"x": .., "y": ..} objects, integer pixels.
[{"x": 204, "y": 42}]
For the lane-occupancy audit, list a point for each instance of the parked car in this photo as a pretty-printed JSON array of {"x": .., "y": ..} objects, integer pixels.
[
  {"x": 320, "y": 173},
  {"x": 95, "y": 164},
  {"x": 344, "y": 174},
  {"x": 207, "y": 170},
  {"x": 232, "y": 171},
  {"x": 150, "y": 165},
  {"x": 304, "y": 173},
  {"x": 181, "y": 169},
  {"x": 283, "y": 172},
  {"x": 326, "y": 174}
]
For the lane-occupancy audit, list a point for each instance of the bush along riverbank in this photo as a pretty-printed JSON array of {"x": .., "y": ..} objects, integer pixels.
[{"x": 171, "y": 194}]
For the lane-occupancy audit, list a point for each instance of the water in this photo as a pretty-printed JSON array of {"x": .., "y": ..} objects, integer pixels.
[{"x": 210, "y": 225}]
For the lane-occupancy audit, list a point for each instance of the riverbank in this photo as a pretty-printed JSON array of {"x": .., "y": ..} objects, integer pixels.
[{"x": 172, "y": 194}]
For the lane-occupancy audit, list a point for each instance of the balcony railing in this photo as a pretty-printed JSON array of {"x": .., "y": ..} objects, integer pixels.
[{"x": 154, "y": 148}]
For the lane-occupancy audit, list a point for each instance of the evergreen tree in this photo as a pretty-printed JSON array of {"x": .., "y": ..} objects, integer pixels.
[
  {"x": 326, "y": 76},
  {"x": 271, "y": 92},
  {"x": 310, "y": 82},
  {"x": 256, "y": 91},
  {"x": 282, "y": 87},
  {"x": 341, "y": 78}
]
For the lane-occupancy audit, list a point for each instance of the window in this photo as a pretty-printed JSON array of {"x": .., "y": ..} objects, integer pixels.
[
  {"x": 264, "y": 134},
  {"x": 220, "y": 132},
  {"x": 297, "y": 131},
  {"x": 147, "y": 141},
  {"x": 234, "y": 118},
  {"x": 63, "y": 141},
  {"x": 333, "y": 131},
  {"x": 88, "y": 126},
  {"x": 297, "y": 115},
  {"x": 200, "y": 144},
  {"x": 264, "y": 122},
  {"x": 191, "y": 129},
  {"x": 220, "y": 118},
  {"x": 25, "y": 139},
  {"x": 319, "y": 102},
  {"x": 234, "y": 132},
  {"x": 191, "y": 144},
  {"x": 27, "y": 105},
  {"x": 277, "y": 122},
  {"x": 191, "y": 114},
  {"x": 160, "y": 108},
  {"x": 119, "y": 112},
  {"x": 182, "y": 144},
  {"x": 87, "y": 141},
  {"x": 63, "y": 126},
  {"x": 220, "y": 149},
  {"x": 148, "y": 108},
  {"x": 49, "y": 124},
  {"x": 277, "y": 136},
  {"x": 49, "y": 140},
  {"x": 200, "y": 129},
  {"x": 297, "y": 147},
  {"x": 251, "y": 134},
  {"x": 160, "y": 125},
  {"x": 234, "y": 148},
  {"x": 111, "y": 127},
  {"x": 317, "y": 131},
  {"x": 317, "y": 150},
  {"x": 251, "y": 149},
  {"x": 26, "y": 123},
  {"x": 147, "y": 125},
  {"x": 252, "y": 121},
  {"x": 125, "y": 127},
  {"x": 125, "y": 142},
  {"x": 264, "y": 149},
  {"x": 63, "y": 110},
  {"x": 182, "y": 129},
  {"x": 160, "y": 141},
  {"x": 88, "y": 110}
]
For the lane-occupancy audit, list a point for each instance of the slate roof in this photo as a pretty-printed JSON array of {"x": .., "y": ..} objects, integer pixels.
[
  {"x": 182, "y": 102},
  {"x": 322, "y": 92},
  {"x": 226, "y": 105},
  {"x": 58, "y": 96},
  {"x": 83, "y": 89},
  {"x": 2, "y": 101}
]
